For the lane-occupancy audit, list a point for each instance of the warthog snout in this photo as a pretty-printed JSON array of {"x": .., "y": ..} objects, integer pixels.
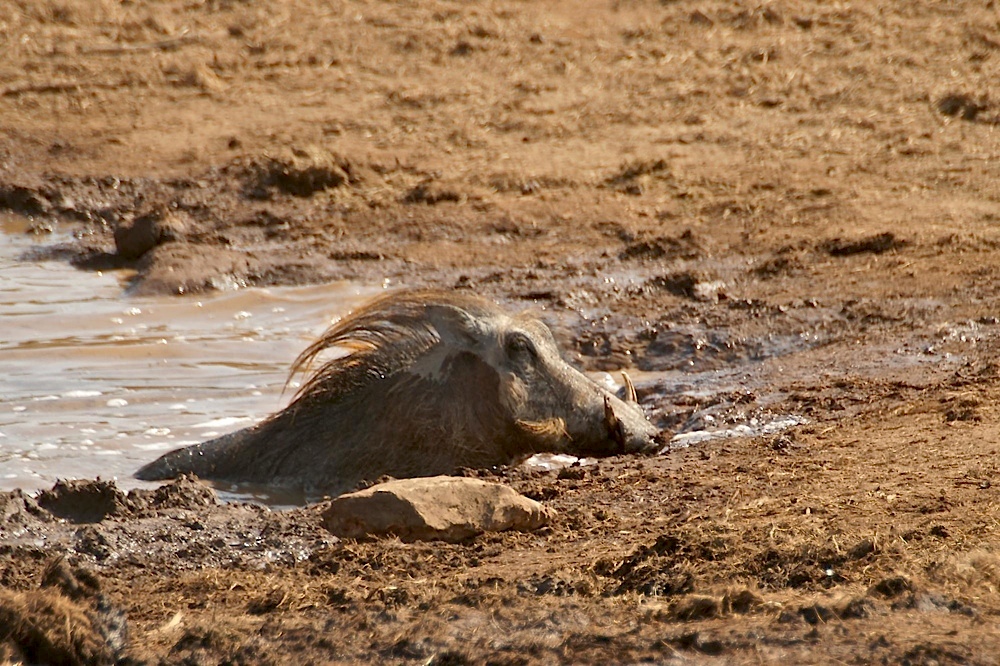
[{"x": 432, "y": 381}]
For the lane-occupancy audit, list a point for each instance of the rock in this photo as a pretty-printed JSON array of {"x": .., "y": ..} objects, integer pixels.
[{"x": 440, "y": 507}]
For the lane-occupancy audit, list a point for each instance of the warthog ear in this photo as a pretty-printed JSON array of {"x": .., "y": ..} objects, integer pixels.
[{"x": 456, "y": 326}]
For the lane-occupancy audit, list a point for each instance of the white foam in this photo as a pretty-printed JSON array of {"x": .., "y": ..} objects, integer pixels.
[
  {"x": 163, "y": 446},
  {"x": 554, "y": 461},
  {"x": 81, "y": 393},
  {"x": 221, "y": 422},
  {"x": 753, "y": 429}
]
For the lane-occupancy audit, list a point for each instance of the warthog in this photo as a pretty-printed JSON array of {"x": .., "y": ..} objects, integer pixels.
[{"x": 431, "y": 381}]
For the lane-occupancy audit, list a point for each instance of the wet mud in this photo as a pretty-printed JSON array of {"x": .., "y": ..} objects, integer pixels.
[{"x": 779, "y": 218}]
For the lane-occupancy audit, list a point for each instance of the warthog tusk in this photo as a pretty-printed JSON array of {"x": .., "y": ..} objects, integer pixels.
[
  {"x": 553, "y": 429},
  {"x": 630, "y": 395},
  {"x": 614, "y": 425}
]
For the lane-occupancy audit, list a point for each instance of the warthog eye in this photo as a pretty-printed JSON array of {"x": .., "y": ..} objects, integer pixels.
[{"x": 519, "y": 345}]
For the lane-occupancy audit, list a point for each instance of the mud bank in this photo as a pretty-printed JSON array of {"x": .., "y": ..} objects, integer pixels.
[{"x": 653, "y": 558}]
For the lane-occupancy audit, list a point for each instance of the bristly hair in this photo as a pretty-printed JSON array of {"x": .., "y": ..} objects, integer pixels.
[{"x": 381, "y": 338}]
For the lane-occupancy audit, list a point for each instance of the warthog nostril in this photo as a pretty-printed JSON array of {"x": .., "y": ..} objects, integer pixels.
[{"x": 661, "y": 442}]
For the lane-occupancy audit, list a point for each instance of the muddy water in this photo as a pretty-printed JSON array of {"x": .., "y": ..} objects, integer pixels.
[{"x": 95, "y": 383}]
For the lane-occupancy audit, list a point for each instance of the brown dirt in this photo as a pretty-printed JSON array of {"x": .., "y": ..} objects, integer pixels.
[{"x": 795, "y": 200}]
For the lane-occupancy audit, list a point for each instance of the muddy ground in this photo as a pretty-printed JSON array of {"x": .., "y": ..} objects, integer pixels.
[{"x": 781, "y": 208}]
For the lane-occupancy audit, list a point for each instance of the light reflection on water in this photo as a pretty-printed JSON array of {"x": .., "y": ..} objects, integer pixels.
[{"x": 94, "y": 383}]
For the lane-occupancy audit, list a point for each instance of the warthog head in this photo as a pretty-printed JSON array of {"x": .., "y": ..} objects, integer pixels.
[{"x": 431, "y": 381}]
